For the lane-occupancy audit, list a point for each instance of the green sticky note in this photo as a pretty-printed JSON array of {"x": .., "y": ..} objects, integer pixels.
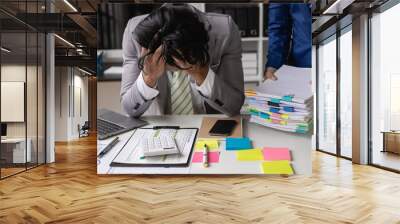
[
  {"x": 277, "y": 167},
  {"x": 249, "y": 155}
]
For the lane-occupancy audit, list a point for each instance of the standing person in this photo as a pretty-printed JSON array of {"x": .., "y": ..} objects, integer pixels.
[{"x": 289, "y": 31}]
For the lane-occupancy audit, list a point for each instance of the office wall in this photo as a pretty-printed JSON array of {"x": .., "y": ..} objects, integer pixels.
[
  {"x": 61, "y": 103},
  {"x": 71, "y": 102},
  {"x": 15, "y": 72},
  {"x": 80, "y": 98}
]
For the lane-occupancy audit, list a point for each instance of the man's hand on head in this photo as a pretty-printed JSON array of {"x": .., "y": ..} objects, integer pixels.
[{"x": 154, "y": 66}]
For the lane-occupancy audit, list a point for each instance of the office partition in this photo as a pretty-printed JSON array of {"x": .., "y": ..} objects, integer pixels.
[{"x": 23, "y": 88}]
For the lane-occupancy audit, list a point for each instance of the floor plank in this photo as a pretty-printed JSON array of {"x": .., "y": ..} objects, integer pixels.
[{"x": 70, "y": 191}]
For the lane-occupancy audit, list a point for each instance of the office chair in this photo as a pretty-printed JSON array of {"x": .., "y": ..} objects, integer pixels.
[{"x": 84, "y": 130}]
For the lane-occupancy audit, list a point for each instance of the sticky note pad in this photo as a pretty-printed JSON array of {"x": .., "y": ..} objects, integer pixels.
[
  {"x": 238, "y": 143},
  {"x": 211, "y": 144},
  {"x": 213, "y": 157},
  {"x": 277, "y": 167},
  {"x": 271, "y": 154},
  {"x": 249, "y": 155}
]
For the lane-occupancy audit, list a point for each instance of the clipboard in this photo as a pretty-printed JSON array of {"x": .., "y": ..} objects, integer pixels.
[{"x": 130, "y": 154}]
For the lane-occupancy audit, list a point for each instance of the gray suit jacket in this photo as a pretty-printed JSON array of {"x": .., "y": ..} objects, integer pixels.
[{"x": 225, "y": 60}]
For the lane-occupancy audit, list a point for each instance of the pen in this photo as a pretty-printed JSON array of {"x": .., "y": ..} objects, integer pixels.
[
  {"x": 109, "y": 146},
  {"x": 205, "y": 156},
  {"x": 166, "y": 127}
]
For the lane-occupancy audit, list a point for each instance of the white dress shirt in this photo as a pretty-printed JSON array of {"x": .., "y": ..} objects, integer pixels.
[{"x": 149, "y": 93}]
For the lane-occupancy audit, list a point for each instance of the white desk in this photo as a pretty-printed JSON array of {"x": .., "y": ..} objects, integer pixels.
[
  {"x": 19, "y": 154},
  {"x": 299, "y": 145}
]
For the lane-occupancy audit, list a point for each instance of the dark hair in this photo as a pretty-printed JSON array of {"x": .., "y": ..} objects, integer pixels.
[{"x": 180, "y": 31}]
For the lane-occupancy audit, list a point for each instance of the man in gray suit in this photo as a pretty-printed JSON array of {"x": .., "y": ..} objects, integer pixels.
[{"x": 178, "y": 60}]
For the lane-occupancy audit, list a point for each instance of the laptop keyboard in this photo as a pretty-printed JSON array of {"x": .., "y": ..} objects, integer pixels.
[{"x": 105, "y": 128}]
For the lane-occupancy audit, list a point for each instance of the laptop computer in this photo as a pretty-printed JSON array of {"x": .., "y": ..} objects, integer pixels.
[{"x": 110, "y": 123}]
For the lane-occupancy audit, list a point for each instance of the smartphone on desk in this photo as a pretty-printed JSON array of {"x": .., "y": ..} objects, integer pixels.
[{"x": 223, "y": 128}]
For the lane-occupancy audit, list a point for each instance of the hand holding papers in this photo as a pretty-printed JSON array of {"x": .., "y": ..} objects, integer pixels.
[{"x": 285, "y": 104}]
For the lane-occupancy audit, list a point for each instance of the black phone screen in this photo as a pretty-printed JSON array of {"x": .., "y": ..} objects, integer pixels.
[{"x": 223, "y": 127}]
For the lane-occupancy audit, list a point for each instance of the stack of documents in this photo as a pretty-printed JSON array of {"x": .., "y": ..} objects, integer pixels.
[
  {"x": 132, "y": 153},
  {"x": 285, "y": 104}
]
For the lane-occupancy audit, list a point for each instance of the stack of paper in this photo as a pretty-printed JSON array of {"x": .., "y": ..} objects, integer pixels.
[{"x": 285, "y": 104}]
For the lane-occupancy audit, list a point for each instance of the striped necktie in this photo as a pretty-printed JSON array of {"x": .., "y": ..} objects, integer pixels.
[{"x": 181, "y": 98}]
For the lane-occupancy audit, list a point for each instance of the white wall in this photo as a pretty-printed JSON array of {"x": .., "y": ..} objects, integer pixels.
[
  {"x": 33, "y": 126},
  {"x": 15, "y": 72},
  {"x": 79, "y": 117},
  {"x": 70, "y": 83}
]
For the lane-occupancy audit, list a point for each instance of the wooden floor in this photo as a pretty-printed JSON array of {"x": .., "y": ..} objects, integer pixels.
[{"x": 70, "y": 191}]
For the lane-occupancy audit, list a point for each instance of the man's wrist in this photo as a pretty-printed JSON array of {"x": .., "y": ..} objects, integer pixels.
[
  {"x": 271, "y": 69},
  {"x": 149, "y": 81}
]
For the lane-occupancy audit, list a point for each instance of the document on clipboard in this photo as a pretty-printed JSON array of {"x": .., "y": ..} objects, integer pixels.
[{"x": 132, "y": 154}]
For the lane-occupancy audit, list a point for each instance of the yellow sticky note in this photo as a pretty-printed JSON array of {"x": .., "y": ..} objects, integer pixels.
[
  {"x": 249, "y": 155},
  {"x": 211, "y": 144},
  {"x": 277, "y": 167},
  {"x": 284, "y": 116}
]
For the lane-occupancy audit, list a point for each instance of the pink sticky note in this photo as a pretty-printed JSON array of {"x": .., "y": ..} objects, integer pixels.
[
  {"x": 275, "y": 115},
  {"x": 276, "y": 154},
  {"x": 213, "y": 157},
  {"x": 274, "y": 121}
]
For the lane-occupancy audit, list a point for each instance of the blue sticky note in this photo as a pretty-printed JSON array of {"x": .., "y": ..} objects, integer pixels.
[
  {"x": 238, "y": 143},
  {"x": 288, "y": 109},
  {"x": 287, "y": 98},
  {"x": 274, "y": 110},
  {"x": 264, "y": 115},
  {"x": 275, "y": 100}
]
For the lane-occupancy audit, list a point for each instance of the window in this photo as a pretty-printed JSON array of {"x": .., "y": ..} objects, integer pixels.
[
  {"x": 327, "y": 96},
  {"x": 385, "y": 89},
  {"x": 346, "y": 95}
]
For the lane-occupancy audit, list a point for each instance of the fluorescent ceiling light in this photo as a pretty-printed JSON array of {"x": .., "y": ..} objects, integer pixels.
[
  {"x": 84, "y": 71},
  {"x": 70, "y": 5},
  {"x": 64, "y": 40},
  {"x": 5, "y": 50}
]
